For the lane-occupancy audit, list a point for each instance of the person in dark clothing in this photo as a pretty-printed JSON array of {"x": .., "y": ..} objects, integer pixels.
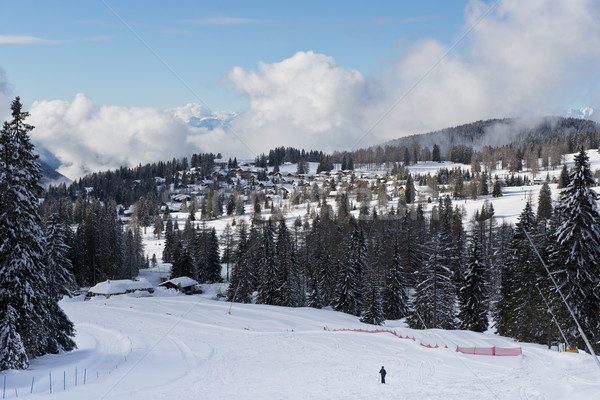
[{"x": 382, "y": 373}]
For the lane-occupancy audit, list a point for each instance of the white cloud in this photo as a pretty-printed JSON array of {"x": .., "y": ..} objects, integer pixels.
[
  {"x": 520, "y": 60},
  {"x": 523, "y": 59},
  {"x": 303, "y": 101},
  {"x": 86, "y": 138},
  {"x": 222, "y": 21},
  {"x": 19, "y": 39}
]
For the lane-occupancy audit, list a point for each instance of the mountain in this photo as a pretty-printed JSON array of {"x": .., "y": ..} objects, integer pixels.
[
  {"x": 499, "y": 132},
  {"x": 50, "y": 175},
  {"x": 581, "y": 113},
  {"x": 199, "y": 116}
]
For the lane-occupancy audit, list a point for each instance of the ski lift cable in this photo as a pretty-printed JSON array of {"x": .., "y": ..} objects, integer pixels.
[
  {"x": 552, "y": 314},
  {"x": 583, "y": 335}
]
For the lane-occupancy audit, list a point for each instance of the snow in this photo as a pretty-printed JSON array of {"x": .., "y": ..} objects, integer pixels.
[
  {"x": 120, "y": 286},
  {"x": 182, "y": 282},
  {"x": 190, "y": 347},
  {"x": 172, "y": 346}
]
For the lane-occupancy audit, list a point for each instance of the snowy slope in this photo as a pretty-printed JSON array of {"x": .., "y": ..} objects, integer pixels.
[
  {"x": 189, "y": 347},
  {"x": 172, "y": 346}
]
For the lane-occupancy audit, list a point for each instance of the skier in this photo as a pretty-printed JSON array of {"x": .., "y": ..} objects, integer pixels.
[{"x": 382, "y": 373}]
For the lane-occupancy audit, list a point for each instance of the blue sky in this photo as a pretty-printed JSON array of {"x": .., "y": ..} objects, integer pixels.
[
  {"x": 111, "y": 83},
  {"x": 83, "y": 46}
]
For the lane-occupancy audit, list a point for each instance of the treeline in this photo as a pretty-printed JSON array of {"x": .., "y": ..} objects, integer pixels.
[
  {"x": 126, "y": 185},
  {"x": 101, "y": 247},
  {"x": 514, "y": 142},
  {"x": 457, "y": 277}
]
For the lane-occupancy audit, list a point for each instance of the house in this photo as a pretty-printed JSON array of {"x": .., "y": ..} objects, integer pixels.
[
  {"x": 120, "y": 286},
  {"x": 183, "y": 284}
]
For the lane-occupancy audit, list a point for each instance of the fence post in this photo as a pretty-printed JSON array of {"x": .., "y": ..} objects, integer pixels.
[
  {"x": 4, "y": 388},
  {"x": 64, "y": 380},
  {"x": 75, "y": 376},
  {"x": 32, "y": 380},
  {"x": 50, "y": 382},
  {"x": 84, "y": 375}
]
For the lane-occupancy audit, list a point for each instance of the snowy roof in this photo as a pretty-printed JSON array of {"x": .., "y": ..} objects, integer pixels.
[
  {"x": 181, "y": 282},
  {"x": 120, "y": 286}
]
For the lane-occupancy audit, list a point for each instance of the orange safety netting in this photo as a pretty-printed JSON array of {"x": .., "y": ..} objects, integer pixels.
[{"x": 481, "y": 351}]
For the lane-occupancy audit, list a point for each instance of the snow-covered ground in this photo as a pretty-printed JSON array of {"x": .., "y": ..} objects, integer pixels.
[
  {"x": 189, "y": 347},
  {"x": 172, "y": 346}
]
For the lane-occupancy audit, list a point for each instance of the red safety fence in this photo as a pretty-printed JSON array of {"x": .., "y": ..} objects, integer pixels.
[
  {"x": 490, "y": 351},
  {"x": 481, "y": 351}
]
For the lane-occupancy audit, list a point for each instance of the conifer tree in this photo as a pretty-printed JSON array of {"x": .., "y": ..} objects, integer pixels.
[
  {"x": 395, "y": 298},
  {"x": 242, "y": 277},
  {"x": 472, "y": 294},
  {"x": 268, "y": 285},
  {"x": 544, "y": 210},
  {"x": 372, "y": 310},
  {"x": 410, "y": 191},
  {"x": 347, "y": 296},
  {"x": 27, "y": 308},
  {"x": 577, "y": 250}
]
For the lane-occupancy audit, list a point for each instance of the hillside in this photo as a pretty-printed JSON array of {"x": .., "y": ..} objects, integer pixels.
[
  {"x": 186, "y": 347},
  {"x": 500, "y": 132}
]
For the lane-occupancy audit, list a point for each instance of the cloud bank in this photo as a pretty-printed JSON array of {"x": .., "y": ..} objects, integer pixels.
[
  {"x": 86, "y": 138},
  {"x": 523, "y": 59}
]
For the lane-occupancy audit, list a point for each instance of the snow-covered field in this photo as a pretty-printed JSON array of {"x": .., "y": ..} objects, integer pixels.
[
  {"x": 171, "y": 346},
  {"x": 190, "y": 347}
]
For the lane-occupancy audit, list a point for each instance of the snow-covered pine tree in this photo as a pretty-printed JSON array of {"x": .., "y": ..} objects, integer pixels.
[
  {"x": 290, "y": 292},
  {"x": 578, "y": 251},
  {"x": 472, "y": 295},
  {"x": 60, "y": 282},
  {"x": 520, "y": 313},
  {"x": 25, "y": 319},
  {"x": 183, "y": 265},
  {"x": 372, "y": 310},
  {"x": 242, "y": 277},
  {"x": 395, "y": 298},
  {"x": 170, "y": 242},
  {"x": 347, "y": 293},
  {"x": 433, "y": 303},
  {"x": 268, "y": 284}
]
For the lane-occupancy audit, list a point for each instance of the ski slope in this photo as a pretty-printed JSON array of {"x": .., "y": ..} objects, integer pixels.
[{"x": 189, "y": 347}]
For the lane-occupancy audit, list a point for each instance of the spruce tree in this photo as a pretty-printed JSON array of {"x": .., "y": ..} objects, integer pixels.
[
  {"x": 472, "y": 295},
  {"x": 395, "y": 298},
  {"x": 577, "y": 251},
  {"x": 544, "y": 209},
  {"x": 27, "y": 308},
  {"x": 268, "y": 285},
  {"x": 242, "y": 277},
  {"x": 347, "y": 296},
  {"x": 372, "y": 310}
]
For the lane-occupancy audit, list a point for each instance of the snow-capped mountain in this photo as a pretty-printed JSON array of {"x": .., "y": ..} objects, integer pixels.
[
  {"x": 200, "y": 116},
  {"x": 581, "y": 113}
]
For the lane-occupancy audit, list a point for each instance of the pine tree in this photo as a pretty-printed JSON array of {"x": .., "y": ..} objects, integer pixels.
[
  {"x": 544, "y": 210},
  {"x": 433, "y": 304},
  {"x": 27, "y": 308},
  {"x": 347, "y": 296},
  {"x": 410, "y": 191},
  {"x": 472, "y": 294},
  {"x": 577, "y": 250},
  {"x": 242, "y": 277},
  {"x": 563, "y": 179},
  {"x": 268, "y": 285},
  {"x": 497, "y": 191},
  {"x": 372, "y": 310},
  {"x": 60, "y": 282},
  {"x": 395, "y": 298}
]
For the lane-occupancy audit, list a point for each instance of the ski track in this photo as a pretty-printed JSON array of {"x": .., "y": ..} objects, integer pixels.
[{"x": 189, "y": 347}]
